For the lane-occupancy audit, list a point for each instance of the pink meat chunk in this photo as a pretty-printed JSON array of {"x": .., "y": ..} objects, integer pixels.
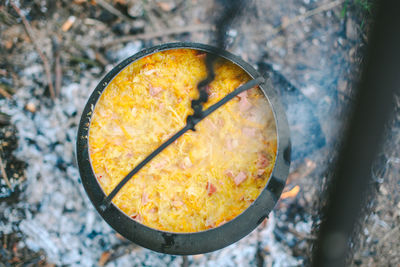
[
  {"x": 231, "y": 144},
  {"x": 155, "y": 90},
  {"x": 211, "y": 189},
  {"x": 137, "y": 217},
  {"x": 240, "y": 178},
  {"x": 229, "y": 173},
  {"x": 249, "y": 132},
  {"x": 262, "y": 163},
  {"x": 160, "y": 164},
  {"x": 145, "y": 198},
  {"x": 186, "y": 163},
  {"x": 244, "y": 103},
  {"x": 177, "y": 203}
]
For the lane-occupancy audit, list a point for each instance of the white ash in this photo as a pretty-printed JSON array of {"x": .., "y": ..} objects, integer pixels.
[
  {"x": 279, "y": 255},
  {"x": 127, "y": 51},
  {"x": 144, "y": 257},
  {"x": 54, "y": 213}
]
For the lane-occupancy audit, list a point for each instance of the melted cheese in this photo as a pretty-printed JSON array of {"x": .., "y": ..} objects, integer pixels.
[{"x": 206, "y": 177}]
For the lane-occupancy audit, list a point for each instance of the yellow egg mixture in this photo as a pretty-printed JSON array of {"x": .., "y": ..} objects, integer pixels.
[{"x": 206, "y": 177}]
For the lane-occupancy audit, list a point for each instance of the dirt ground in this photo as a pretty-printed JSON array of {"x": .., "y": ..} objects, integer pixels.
[{"x": 311, "y": 50}]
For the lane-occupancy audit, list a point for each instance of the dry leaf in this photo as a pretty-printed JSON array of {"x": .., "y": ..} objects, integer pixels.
[
  {"x": 104, "y": 258},
  {"x": 68, "y": 23},
  {"x": 166, "y": 6},
  {"x": 285, "y": 21}
]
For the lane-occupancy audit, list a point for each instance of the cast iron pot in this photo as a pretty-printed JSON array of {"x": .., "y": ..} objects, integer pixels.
[{"x": 197, "y": 242}]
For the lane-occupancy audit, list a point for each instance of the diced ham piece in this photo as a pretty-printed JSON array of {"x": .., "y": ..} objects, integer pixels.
[
  {"x": 229, "y": 173},
  {"x": 136, "y": 216},
  {"x": 160, "y": 164},
  {"x": 149, "y": 72},
  {"x": 177, "y": 203},
  {"x": 201, "y": 55},
  {"x": 260, "y": 172},
  {"x": 231, "y": 143},
  {"x": 209, "y": 92},
  {"x": 244, "y": 103},
  {"x": 210, "y": 223},
  {"x": 220, "y": 122},
  {"x": 210, "y": 124},
  {"x": 249, "y": 132},
  {"x": 242, "y": 94},
  {"x": 145, "y": 198},
  {"x": 262, "y": 163},
  {"x": 155, "y": 90},
  {"x": 153, "y": 210},
  {"x": 208, "y": 89},
  {"x": 223, "y": 222},
  {"x": 211, "y": 189},
  {"x": 187, "y": 163},
  {"x": 240, "y": 178}
]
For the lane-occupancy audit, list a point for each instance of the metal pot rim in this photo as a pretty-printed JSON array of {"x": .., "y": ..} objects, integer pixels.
[{"x": 196, "y": 242}]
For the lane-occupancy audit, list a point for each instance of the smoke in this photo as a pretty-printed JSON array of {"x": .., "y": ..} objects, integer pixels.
[
  {"x": 305, "y": 129},
  {"x": 230, "y": 10}
]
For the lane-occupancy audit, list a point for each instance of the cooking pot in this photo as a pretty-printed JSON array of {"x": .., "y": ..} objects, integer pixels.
[{"x": 196, "y": 242}]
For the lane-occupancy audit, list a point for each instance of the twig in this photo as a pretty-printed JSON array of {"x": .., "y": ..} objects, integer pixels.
[
  {"x": 6, "y": 18},
  {"x": 3, "y": 72},
  {"x": 301, "y": 235},
  {"x": 112, "y": 10},
  {"x": 58, "y": 70},
  {"x": 151, "y": 35},
  {"x": 185, "y": 261},
  {"x": 101, "y": 59},
  {"x": 86, "y": 61},
  {"x": 31, "y": 35},
  {"x": 3, "y": 172},
  {"x": 388, "y": 234},
  {"x": 307, "y": 14},
  {"x": 4, "y": 119},
  {"x": 4, "y": 93},
  {"x": 152, "y": 16}
]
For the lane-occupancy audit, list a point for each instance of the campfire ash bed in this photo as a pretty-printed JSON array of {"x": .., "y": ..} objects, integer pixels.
[{"x": 197, "y": 241}]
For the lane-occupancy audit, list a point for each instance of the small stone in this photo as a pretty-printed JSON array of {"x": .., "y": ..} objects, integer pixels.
[
  {"x": 31, "y": 107},
  {"x": 121, "y": 28},
  {"x": 351, "y": 29},
  {"x": 342, "y": 86},
  {"x": 285, "y": 21},
  {"x": 166, "y": 5},
  {"x": 315, "y": 42},
  {"x": 135, "y": 9},
  {"x": 352, "y": 54},
  {"x": 137, "y": 26}
]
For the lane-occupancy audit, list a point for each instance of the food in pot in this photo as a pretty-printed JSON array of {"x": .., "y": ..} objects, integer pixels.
[{"x": 206, "y": 177}]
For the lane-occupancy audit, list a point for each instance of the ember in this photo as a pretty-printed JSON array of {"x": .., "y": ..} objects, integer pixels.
[{"x": 291, "y": 193}]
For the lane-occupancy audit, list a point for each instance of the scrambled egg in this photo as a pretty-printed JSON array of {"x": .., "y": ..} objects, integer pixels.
[{"x": 206, "y": 177}]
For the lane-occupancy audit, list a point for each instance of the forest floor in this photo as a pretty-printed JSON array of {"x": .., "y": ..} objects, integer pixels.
[{"x": 53, "y": 54}]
